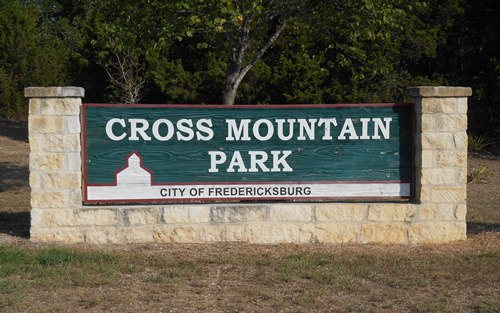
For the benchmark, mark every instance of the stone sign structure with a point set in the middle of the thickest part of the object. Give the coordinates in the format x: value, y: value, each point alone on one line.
x: 434, y: 214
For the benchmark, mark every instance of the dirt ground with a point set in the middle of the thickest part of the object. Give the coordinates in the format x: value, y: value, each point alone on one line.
x: 483, y: 195
x: 240, y: 277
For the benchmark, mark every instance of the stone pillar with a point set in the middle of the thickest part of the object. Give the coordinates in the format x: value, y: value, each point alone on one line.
x: 440, y: 163
x: 55, y: 161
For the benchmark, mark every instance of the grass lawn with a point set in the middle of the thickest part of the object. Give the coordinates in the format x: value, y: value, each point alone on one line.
x: 460, y: 277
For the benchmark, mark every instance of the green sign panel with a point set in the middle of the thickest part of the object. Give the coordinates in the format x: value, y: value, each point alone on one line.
x: 192, y: 153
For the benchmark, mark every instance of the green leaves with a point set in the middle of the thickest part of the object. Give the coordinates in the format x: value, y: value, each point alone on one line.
x: 186, y: 51
x: 33, y: 51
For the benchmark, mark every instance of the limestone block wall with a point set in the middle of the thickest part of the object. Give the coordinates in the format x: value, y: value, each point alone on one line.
x: 435, y: 215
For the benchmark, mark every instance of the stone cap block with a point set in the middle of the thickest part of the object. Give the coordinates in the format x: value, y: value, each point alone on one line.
x: 439, y: 91
x: 54, y: 92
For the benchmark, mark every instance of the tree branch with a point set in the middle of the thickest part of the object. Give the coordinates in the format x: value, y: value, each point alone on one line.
x: 263, y: 50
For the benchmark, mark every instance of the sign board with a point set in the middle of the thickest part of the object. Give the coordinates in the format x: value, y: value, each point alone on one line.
x: 201, y: 153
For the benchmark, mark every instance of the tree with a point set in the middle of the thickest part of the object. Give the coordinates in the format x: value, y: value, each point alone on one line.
x: 470, y: 57
x: 252, y: 51
x: 332, y: 51
x: 246, y: 28
x: 31, y: 53
x: 118, y: 41
x: 358, y: 51
x: 248, y: 20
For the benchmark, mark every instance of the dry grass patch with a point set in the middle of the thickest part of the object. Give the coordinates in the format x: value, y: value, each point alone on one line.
x: 251, y: 278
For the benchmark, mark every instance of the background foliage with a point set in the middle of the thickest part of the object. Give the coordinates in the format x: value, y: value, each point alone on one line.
x: 184, y: 51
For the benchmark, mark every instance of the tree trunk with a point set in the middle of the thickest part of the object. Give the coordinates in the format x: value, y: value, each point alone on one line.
x: 231, y: 88
x: 229, y: 96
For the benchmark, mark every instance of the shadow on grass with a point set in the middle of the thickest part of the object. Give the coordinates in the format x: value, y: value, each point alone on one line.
x: 15, y: 130
x: 481, y: 227
x: 13, y: 176
x: 15, y: 224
